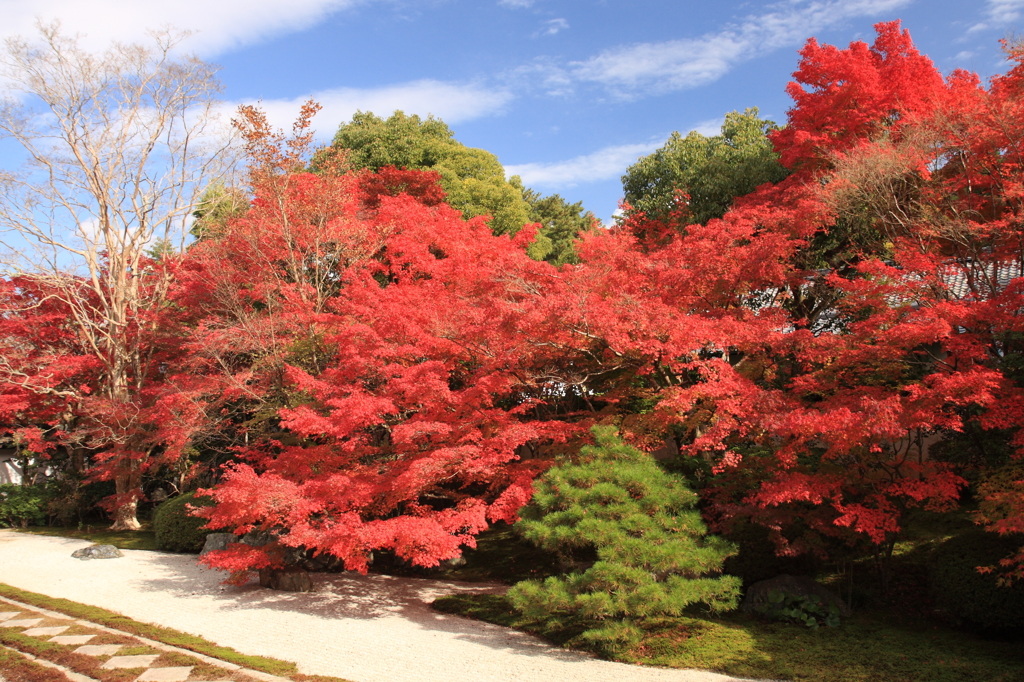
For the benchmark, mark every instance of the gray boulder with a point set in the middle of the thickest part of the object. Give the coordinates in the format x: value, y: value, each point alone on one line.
x: 286, y: 579
x: 97, y: 552
x: 800, y: 586
x: 218, y: 541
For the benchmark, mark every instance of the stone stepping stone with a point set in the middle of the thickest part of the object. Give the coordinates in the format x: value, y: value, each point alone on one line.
x: 21, y: 623
x: 45, y: 632
x: 4, y: 615
x: 71, y: 640
x: 139, y: 661
x: 99, y: 650
x: 176, y: 674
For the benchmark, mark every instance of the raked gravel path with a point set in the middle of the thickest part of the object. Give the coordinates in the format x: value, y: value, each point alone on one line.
x: 361, y: 628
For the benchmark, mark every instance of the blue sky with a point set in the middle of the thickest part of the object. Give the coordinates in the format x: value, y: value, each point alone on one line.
x: 567, y: 93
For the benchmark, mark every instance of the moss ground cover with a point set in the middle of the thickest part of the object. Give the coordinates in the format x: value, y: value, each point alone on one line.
x: 863, y: 649
x: 61, y: 654
x: 128, y: 539
x: 892, y: 637
x: 17, y: 668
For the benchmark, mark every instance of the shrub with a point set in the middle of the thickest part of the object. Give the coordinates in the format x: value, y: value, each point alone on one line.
x: 653, y: 554
x: 795, y: 608
x: 176, y: 529
x: 21, y: 505
x: 958, y: 587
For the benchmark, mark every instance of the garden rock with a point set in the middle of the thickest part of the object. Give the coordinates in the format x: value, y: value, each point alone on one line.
x: 286, y: 580
x: 97, y: 552
x: 800, y: 586
x: 217, y: 541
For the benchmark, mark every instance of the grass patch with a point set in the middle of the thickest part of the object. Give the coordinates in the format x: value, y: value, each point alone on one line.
x: 863, y: 649
x: 125, y: 539
x: 17, y: 668
x: 116, y: 621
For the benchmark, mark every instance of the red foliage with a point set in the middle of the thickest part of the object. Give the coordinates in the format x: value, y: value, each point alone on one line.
x: 424, y: 186
x: 377, y: 368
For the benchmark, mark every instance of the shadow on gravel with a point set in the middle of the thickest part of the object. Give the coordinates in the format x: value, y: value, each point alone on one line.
x: 351, y: 596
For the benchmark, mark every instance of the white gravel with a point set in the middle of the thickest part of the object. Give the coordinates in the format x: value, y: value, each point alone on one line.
x: 361, y: 628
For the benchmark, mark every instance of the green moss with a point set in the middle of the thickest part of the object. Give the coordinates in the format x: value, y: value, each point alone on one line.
x: 865, y: 649
x: 17, y: 668
x: 128, y: 539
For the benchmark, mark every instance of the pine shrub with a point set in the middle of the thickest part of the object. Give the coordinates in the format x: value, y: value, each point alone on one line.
x: 976, y: 598
x: 176, y: 529
x: 653, y: 554
x: 21, y: 505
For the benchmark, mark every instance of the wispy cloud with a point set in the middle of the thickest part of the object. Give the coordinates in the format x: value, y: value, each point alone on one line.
x: 692, y: 62
x: 553, y: 26
x: 1005, y: 11
x: 604, y: 164
x: 516, y: 4
x: 453, y: 102
x: 999, y: 13
x: 220, y: 26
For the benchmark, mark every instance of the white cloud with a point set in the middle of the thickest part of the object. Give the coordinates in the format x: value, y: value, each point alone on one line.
x: 1005, y: 11
x: 710, y: 127
x: 604, y: 164
x: 999, y: 13
x: 452, y: 102
x: 219, y: 26
x: 516, y: 4
x: 692, y: 62
x: 553, y: 26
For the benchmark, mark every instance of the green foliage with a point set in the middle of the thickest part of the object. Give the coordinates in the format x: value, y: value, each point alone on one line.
x: 958, y: 587
x: 216, y: 207
x: 561, y: 223
x: 653, y: 554
x: 473, y: 179
x: 176, y: 529
x: 782, y: 605
x: 711, y: 170
x: 22, y: 505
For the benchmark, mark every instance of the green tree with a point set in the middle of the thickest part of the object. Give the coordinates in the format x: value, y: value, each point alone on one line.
x: 653, y: 554
x: 561, y: 223
x: 713, y: 171
x: 218, y: 204
x: 473, y: 179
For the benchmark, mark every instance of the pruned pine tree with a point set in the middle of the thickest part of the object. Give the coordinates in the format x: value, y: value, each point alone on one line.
x: 654, y: 555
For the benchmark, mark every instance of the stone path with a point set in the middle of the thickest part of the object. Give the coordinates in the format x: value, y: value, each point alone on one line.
x: 360, y: 628
x: 95, y: 647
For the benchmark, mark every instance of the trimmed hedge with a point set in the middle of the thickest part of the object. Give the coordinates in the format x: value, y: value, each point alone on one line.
x: 178, y: 531
x: 973, y: 597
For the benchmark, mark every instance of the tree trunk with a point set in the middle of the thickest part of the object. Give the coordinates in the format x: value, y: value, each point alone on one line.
x: 125, y: 516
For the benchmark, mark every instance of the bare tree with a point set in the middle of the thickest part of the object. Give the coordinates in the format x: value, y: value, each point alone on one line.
x: 118, y: 147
